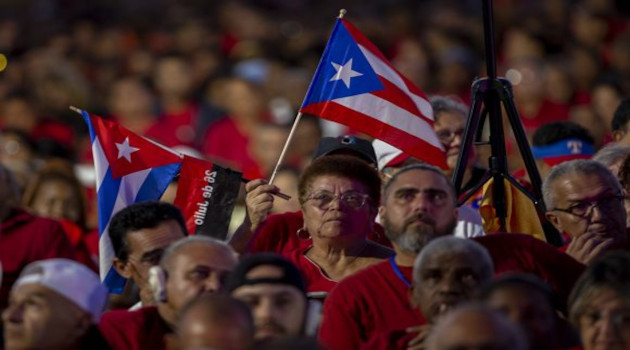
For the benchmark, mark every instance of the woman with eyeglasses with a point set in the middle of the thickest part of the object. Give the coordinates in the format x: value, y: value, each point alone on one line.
x: 339, y: 196
x: 599, y: 305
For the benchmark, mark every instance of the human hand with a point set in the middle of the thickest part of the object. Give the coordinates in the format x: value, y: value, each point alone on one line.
x: 418, y: 342
x: 258, y: 201
x: 587, y: 247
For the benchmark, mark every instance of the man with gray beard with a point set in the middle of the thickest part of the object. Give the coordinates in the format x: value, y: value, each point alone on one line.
x: 419, y: 205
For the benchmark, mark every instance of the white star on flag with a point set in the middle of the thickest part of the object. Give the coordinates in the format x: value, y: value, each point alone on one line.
x: 345, y: 73
x: 125, y: 150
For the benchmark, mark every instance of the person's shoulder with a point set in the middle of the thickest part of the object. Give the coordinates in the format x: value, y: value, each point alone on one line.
x: 125, y: 318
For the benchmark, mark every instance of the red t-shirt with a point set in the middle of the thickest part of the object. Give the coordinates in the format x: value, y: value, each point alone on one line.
x: 228, y: 146
x: 314, y: 278
x: 25, y: 238
x: 370, y: 301
x: 549, y: 112
x: 278, y: 234
x: 375, y: 300
x: 391, y: 340
x: 512, y: 252
x: 139, y: 329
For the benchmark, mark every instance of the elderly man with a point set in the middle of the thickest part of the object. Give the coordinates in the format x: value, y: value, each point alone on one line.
x: 418, y: 206
x: 55, y: 304
x: 189, y: 268
x: 274, y: 290
x: 446, y: 273
x: 214, y: 322
x: 139, y: 235
x: 476, y: 327
x: 585, y: 202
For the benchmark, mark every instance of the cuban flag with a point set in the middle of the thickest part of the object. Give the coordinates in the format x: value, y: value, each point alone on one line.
x: 129, y: 169
x: 355, y: 85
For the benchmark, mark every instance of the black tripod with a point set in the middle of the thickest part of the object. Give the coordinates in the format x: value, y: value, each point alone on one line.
x: 495, y: 92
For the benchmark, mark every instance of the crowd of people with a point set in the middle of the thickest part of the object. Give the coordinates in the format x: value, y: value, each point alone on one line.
x: 375, y: 249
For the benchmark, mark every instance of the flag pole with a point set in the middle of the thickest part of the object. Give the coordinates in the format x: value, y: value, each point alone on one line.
x: 286, y: 146
x: 342, y: 13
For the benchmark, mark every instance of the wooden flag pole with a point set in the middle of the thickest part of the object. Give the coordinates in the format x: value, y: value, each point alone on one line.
x: 286, y: 146
x: 342, y: 13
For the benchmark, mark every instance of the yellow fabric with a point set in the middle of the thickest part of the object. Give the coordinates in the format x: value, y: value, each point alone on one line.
x: 521, y: 216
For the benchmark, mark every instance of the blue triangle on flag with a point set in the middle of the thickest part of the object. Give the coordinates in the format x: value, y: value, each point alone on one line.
x: 343, y: 70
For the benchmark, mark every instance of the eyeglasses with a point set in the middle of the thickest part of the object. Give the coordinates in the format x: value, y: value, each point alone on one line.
x: 584, y: 209
x: 619, y: 318
x: 447, y: 136
x: 354, y: 200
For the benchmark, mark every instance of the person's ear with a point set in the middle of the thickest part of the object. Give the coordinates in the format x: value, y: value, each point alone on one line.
x: 84, y: 322
x: 554, y: 220
x: 618, y: 135
x: 123, y: 268
x: 381, y: 211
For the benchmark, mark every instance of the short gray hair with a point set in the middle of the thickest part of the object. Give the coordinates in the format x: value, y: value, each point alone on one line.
x: 611, y: 155
x: 577, y: 166
x: 447, y: 104
x: 452, y: 244
x: 176, y: 246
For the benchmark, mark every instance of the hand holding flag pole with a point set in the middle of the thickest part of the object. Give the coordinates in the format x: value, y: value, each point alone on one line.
x: 342, y: 13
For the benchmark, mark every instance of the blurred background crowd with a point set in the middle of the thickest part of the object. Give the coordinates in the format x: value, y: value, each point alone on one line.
x: 224, y: 79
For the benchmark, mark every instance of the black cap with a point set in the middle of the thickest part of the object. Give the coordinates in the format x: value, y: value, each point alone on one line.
x: 344, y: 145
x: 290, y: 274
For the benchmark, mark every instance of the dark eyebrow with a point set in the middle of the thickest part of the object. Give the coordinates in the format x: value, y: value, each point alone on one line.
x: 152, y: 254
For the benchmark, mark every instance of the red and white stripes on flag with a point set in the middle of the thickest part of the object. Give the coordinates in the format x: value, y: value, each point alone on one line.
x: 370, y: 96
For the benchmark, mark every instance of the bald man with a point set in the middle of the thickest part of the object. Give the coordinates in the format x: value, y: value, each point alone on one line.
x: 189, y: 268
x: 214, y: 321
x: 475, y: 326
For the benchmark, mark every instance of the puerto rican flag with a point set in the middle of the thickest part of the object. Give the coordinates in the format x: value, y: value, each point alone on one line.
x: 355, y: 85
x: 129, y: 169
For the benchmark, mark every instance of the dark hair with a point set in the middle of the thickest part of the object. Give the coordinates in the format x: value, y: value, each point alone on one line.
x: 622, y: 115
x: 344, y: 166
x: 424, y: 167
x: 624, y: 173
x: 612, y: 271
x: 62, y: 172
x: 557, y: 131
x: 521, y: 280
x: 140, y: 216
x: 290, y: 274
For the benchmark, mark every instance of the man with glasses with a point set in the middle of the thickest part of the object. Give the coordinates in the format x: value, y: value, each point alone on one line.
x: 584, y: 201
x: 139, y: 235
x: 418, y: 205
x: 450, y: 123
